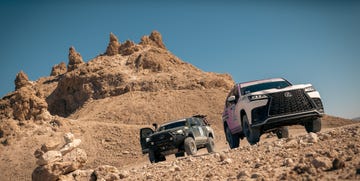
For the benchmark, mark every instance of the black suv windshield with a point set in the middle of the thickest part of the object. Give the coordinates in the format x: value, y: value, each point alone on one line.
x: 264, y: 86
x: 172, y: 125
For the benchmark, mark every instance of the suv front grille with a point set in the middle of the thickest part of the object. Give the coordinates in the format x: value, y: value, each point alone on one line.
x: 161, y: 138
x: 289, y: 102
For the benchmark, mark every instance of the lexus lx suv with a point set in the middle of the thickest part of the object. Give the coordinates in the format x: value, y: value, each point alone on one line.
x: 177, y: 137
x: 270, y: 105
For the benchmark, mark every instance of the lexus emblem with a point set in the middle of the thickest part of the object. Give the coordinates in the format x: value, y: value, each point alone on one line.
x: 287, y: 94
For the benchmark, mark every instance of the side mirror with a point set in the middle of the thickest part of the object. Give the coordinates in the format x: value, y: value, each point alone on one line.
x: 231, y: 99
x: 155, y: 126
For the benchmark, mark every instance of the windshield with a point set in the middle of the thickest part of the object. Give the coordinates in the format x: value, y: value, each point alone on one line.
x: 264, y: 86
x: 172, y: 125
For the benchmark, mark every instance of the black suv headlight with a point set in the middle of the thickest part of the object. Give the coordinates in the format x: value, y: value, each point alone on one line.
x: 180, y: 131
x: 258, y: 97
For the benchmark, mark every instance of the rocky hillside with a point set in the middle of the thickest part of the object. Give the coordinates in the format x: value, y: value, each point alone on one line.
x: 104, y: 102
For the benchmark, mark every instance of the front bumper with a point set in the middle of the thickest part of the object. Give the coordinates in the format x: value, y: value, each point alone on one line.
x: 166, y: 143
x: 288, y: 120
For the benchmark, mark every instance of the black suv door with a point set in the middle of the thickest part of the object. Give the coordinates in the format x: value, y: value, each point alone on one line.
x: 144, y: 133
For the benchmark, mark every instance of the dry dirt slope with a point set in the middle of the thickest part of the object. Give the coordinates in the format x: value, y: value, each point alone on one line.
x: 106, y: 101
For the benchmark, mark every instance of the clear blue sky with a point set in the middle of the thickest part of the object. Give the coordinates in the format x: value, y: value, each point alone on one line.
x: 314, y: 42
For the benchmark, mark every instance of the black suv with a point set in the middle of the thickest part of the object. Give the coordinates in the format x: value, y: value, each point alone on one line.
x: 177, y: 137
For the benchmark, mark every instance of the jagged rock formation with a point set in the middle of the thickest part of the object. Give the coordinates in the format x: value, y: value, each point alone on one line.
x: 114, y: 45
x: 155, y: 39
x: 21, y: 80
x: 147, y: 66
x: 128, y: 48
x: 25, y: 103
x: 52, y: 163
x: 58, y: 69
x: 75, y: 59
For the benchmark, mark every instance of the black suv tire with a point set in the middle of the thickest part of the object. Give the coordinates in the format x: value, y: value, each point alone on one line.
x: 233, y: 139
x: 190, y: 146
x: 313, y: 126
x: 282, y: 132
x: 210, y: 145
x: 252, y: 134
x: 155, y: 157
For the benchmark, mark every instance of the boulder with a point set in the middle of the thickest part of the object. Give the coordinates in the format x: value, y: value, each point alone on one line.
x: 58, y: 69
x: 76, y: 157
x: 50, y: 145
x: 70, y: 146
x: 79, y: 175
x: 322, y: 162
x: 49, y: 157
x: 312, y: 138
x: 107, y: 172
x: 44, y: 173
x: 75, y: 59
x: 114, y: 45
x: 52, y: 171
x: 69, y: 137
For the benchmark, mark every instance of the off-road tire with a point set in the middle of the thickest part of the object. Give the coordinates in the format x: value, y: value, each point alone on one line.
x: 232, y: 139
x: 179, y: 154
x: 282, y: 132
x: 161, y: 158
x: 252, y: 134
x: 190, y: 146
x: 210, y: 146
x: 155, y: 157
x: 313, y: 126
x: 152, y: 157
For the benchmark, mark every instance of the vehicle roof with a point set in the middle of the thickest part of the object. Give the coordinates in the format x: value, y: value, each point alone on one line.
x: 245, y: 84
x: 175, y: 121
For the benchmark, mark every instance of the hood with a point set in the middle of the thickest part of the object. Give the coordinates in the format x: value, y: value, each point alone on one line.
x: 289, y: 88
x: 168, y: 130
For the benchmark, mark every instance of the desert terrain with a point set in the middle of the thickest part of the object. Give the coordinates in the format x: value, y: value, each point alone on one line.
x: 105, y: 101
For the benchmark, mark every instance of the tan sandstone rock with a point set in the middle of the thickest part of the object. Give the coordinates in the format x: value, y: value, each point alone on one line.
x: 21, y: 80
x: 106, y: 172
x: 114, y: 45
x: 69, y: 137
x: 58, y: 69
x: 49, y: 157
x: 75, y: 59
x: 155, y: 39
x: 70, y: 146
x: 50, y: 145
x: 79, y: 175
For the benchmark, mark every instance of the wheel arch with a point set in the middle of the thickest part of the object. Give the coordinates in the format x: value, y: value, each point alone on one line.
x: 211, y: 135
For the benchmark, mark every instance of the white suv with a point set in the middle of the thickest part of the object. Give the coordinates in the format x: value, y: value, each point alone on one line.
x: 270, y: 105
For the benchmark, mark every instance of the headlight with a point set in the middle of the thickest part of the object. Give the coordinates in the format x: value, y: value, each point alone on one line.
x: 309, y: 89
x: 147, y: 139
x: 257, y: 97
x: 180, y: 131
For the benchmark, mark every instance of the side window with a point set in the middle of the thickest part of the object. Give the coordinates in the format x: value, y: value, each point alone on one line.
x: 234, y: 92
